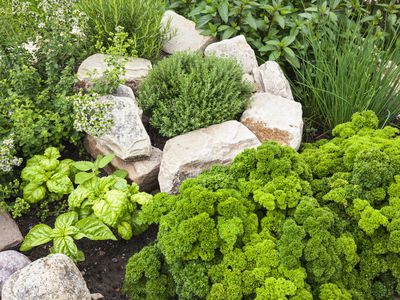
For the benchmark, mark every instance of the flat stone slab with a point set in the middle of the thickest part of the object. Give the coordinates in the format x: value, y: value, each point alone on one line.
x: 143, y: 172
x: 189, y: 154
x: 10, y: 235
x: 236, y: 48
x: 185, y: 36
x: 272, y: 117
x: 95, y: 65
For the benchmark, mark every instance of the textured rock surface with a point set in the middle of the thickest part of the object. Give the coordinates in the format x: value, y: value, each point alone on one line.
x: 273, y: 80
x: 128, y: 138
x: 94, y: 66
x: 189, y: 154
x: 10, y: 235
x: 54, y: 277
x: 126, y: 91
x: 185, y: 36
x: 10, y: 262
x: 236, y: 48
x: 272, y: 117
x: 143, y: 172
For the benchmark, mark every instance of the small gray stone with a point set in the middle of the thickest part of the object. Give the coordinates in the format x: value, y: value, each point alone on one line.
x: 128, y: 138
x: 126, y: 91
x: 54, y: 277
x: 236, y: 48
x: 143, y: 172
x: 10, y: 262
x: 10, y: 235
x: 185, y: 36
x: 189, y: 154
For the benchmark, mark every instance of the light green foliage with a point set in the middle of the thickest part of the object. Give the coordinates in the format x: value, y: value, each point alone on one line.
x: 67, y: 228
x: 276, y: 224
x: 140, y: 20
x: 45, y: 176
x: 110, y: 199
x: 188, y: 91
x: 277, y: 29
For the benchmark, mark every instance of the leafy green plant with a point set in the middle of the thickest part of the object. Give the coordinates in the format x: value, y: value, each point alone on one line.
x: 110, y: 199
x: 141, y: 20
x: 187, y: 91
x: 276, y: 29
x: 44, y: 176
x: 277, y: 224
x: 344, y: 74
x: 67, y: 228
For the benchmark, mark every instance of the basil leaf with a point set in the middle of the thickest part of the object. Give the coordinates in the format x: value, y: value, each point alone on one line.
x: 93, y: 229
x: 38, y: 235
x: 65, y: 220
x: 105, y: 160
x: 84, y: 165
x: 66, y: 245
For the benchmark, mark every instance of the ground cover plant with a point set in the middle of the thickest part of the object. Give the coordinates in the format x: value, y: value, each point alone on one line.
x: 140, y: 20
x: 187, y: 91
x: 277, y: 29
x: 276, y: 224
x: 347, y: 71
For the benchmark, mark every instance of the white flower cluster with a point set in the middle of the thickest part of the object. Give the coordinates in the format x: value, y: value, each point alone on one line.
x: 7, y: 159
x: 93, y: 114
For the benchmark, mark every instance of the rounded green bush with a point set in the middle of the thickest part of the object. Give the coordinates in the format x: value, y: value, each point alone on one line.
x: 188, y: 91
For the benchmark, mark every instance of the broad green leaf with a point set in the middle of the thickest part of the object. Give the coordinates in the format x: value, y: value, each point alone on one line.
x: 280, y: 20
x: 223, y: 10
x: 82, y: 177
x: 77, y: 196
x: 38, y: 235
x: 275, y: 55
x: 64, y: 167
x: 60, y: 184
x: 267, y: 48
x: 273, y: 42
x: 112, y: 208
x: 66, y: 245
x: 228, y: 33
x: 120, y: 173
x: 125, y: 231
x: 84, y: 165
x: 93, y: 229
x: 49, y: 164
x: 251, y: 21
x: 33, y: 192
x: 52, y: 153
x: 287, y: 40
x: 67, y: 219
x: 34, y: 174
x: 203, y: 20
x: 105, y: 160
x: 142, y: 198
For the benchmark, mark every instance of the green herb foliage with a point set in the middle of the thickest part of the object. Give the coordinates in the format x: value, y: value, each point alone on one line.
x: 276, y: 29
x: 140, y: 19
x: 188, y: 91
x: 347, y: 72
x: 276, y: 224
x: 67, y: 228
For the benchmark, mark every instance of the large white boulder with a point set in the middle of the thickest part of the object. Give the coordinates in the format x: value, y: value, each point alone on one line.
x: 54, y: 277
x: 143, y: 172
x: 127, y: 138
x: 10, y: 235
x: 189, y: 154
x: 236, y: 48
x: 272, y: 117
x: 184, y: 35
x: 95, y: 65
x: 10, y: 262
x: 270, y: 77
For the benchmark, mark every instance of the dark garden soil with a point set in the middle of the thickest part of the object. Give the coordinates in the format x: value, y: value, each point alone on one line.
x: 104, y: 267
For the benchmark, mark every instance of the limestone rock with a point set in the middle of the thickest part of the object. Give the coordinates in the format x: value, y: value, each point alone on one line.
x: 143, y: 172
x: 272, y: 117
x: 126, y: 91
x: 273, y: 80
x: 54, y: 277
x: 185, y: 36
x: 236, y: 48
x: 189, y: 154
x: 10, y: 262
x: 128, y: 138
x: 94, y: 67
x: 10, y: 235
